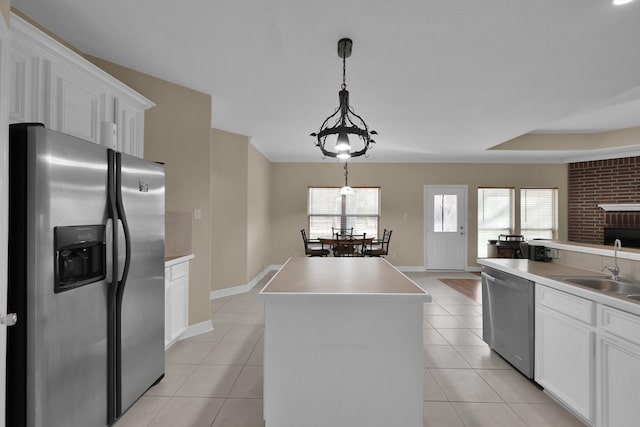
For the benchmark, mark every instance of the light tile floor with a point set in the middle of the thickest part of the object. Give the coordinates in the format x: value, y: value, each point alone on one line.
x: 215, y: 379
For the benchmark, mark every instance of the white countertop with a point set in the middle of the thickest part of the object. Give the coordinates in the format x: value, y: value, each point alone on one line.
x: 173, y: 260
x: 586, y: 248
x: 341, y: 277
x: 543, y: 273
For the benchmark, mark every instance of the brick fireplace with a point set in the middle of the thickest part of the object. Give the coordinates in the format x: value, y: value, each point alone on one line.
x: 597, y: 182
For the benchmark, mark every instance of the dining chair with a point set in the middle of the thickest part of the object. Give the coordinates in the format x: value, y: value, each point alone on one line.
x: 344, y: 232
x: 353, y: 246
x: 314, y: 247
x: 379, y: 247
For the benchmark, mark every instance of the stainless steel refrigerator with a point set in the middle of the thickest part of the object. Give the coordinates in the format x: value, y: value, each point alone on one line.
x: 86, y: 279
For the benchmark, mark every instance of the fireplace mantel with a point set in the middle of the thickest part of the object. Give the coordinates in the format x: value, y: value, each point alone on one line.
x: 620, y: 206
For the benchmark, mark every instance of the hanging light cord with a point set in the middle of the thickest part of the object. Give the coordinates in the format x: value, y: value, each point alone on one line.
x: 344, y: 66
x: 346, y: 175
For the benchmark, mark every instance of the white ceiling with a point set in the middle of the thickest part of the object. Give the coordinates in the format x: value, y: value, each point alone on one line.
x: 441, y: 81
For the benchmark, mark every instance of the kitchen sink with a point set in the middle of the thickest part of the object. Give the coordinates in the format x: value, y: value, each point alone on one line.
x: 604, y: 284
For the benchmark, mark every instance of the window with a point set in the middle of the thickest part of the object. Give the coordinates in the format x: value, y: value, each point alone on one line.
x: 327, y: 209
x: 445, y: 213
x: 495, y: 215
x: 539, y: 213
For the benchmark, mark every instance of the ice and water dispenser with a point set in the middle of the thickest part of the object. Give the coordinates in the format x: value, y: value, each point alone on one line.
x: 80, y: 256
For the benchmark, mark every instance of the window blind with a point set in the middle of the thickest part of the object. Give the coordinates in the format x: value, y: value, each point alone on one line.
x: 539, y: 213
x: 495, y: 215
x: 327, y: 209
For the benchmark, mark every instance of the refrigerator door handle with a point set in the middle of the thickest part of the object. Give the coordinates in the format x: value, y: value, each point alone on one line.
x: 112, y: 219
x: 113, y: 381
x: 122, y: 217
x: 123, y: 231
x: 109, y: 250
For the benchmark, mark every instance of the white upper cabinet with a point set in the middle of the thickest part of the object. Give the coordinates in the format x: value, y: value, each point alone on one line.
x: 76, y: 102
x: 130, y: 122
x: 25, y: 85
x: 53, y: 85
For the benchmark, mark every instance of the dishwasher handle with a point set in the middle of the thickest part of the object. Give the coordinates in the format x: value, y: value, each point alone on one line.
x: 501, y: 282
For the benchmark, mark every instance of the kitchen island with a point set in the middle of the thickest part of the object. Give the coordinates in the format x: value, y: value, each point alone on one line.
x: 343, y: 344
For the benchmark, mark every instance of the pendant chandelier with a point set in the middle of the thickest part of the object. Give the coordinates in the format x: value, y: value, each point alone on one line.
x: 344, y: 122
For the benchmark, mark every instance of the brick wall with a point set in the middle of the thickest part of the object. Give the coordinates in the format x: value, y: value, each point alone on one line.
x: 602, y: 181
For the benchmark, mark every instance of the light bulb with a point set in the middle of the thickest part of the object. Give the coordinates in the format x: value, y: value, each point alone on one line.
x: 621, y: 2
x: 346, y: 190
x: 342, y: 143
x: 344, y: 155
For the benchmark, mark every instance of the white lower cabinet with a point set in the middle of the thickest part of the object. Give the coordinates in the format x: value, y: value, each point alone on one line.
x: 618, y: 368
x: 176, y: 304
x: 565, y: 349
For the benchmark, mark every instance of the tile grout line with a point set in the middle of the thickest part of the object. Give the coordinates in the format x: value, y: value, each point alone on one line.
x: 241, y: 370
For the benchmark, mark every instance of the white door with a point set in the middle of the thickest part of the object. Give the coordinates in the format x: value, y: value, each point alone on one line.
x: 445, y: 227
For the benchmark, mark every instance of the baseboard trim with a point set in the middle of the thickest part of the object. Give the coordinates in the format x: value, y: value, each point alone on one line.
x: 240, y: 289
x: 411, y: 268
x: 197, y: 329
x: 421, y: 269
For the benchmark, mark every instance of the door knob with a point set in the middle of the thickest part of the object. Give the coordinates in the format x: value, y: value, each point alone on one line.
x: 9, y: 320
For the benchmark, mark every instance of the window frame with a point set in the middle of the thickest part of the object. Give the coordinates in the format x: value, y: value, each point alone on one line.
x: 343, y: 216
x: 555, y: 221
x: 482, y: 251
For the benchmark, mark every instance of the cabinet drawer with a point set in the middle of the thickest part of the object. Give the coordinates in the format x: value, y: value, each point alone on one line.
x: 567, y: 304
x: 621, y: 324
x: 179, y: 270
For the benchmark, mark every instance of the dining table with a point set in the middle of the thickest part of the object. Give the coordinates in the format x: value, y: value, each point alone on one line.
x: 346, y: 246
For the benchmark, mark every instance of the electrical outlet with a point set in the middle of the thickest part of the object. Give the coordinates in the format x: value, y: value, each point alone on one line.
x: 197, y: 214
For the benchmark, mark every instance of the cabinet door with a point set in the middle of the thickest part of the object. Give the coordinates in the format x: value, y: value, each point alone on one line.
x: 167, y: 308
x: 618, y: 370
x: 24, y: 87
x: 76, y: 103
x: 130, y: 122
x: 179, y: 307
x: 564, y: 365
x: 619, y: 401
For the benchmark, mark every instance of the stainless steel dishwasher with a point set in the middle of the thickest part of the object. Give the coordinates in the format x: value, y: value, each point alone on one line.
x: 508, y: 317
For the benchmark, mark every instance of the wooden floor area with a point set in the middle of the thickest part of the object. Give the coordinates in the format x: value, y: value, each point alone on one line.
x: 471, y: 288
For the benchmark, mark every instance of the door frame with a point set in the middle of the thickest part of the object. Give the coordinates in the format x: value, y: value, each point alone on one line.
x: 465, y: 220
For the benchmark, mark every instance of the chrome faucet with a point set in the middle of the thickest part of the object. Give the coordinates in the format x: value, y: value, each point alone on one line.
x: 614, y: 269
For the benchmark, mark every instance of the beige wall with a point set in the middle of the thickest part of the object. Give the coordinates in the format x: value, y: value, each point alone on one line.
x: 573, y: 141
x: 402, y: 198
x: 258, y: 215
x: 5, y: 6
x: 177, y: 132
x: 240, y: 178
x: 229, y: 174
